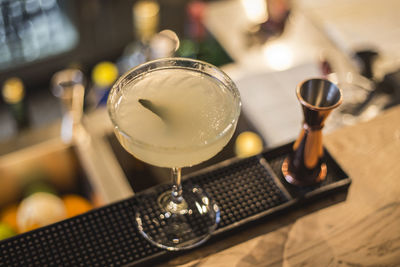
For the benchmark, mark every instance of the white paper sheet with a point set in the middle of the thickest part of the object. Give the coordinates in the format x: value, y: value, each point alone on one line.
x: 269, y: 101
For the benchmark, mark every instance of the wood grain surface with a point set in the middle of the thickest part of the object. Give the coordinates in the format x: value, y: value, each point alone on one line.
x: 363, y: 230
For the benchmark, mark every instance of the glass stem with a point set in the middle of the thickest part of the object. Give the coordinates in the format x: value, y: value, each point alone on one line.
x: 177, y: 186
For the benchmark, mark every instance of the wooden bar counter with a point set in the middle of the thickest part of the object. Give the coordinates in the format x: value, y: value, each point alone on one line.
x: 362, y: 230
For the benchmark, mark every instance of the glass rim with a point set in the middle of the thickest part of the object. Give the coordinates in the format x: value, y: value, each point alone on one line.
x: 166, y: 63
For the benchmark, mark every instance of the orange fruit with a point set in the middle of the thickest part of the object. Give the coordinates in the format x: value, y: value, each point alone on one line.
x: 76, y: 205
x: 9, y: 216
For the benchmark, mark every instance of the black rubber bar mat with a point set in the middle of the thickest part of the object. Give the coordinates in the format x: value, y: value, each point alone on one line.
x: 245, y: 189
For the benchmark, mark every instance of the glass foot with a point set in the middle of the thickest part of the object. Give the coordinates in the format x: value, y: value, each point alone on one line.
x: 176, y: 226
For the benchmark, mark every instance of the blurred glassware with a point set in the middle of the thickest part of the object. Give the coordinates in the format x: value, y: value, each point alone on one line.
x: 69, y: 86
x: 355, y: 89
x: 366, y: 59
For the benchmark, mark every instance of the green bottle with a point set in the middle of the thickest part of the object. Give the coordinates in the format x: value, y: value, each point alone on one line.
x: 198, y: 43
x: 13, y: 92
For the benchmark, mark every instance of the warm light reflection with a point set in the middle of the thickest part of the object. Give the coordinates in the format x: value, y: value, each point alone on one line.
x: 199, y: 208
x: 205, y: 200
x: 278, y: 56
x: 204, y: 209
x: 256, y: 10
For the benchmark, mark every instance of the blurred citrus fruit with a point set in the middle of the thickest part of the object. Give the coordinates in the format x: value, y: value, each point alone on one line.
x: 76, y: 205
x: 6, y: 231
x: 38, y: 210
x: 9, y: 216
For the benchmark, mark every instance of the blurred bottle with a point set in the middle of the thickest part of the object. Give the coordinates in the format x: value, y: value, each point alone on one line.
x: 145, y: 24
x: 104, y: 75
x: 198, y: 43
x: 13, y: 94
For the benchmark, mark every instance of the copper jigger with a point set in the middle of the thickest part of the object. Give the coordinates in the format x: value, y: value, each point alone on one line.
x: 305, y: 165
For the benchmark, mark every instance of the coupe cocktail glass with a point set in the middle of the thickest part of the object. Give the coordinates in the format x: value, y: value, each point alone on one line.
x: 175, y: 113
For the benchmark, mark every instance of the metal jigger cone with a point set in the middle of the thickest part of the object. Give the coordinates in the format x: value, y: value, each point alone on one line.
x: 305, y: 165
